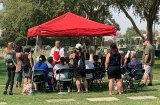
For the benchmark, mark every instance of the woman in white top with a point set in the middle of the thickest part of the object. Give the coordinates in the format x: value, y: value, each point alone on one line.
x: 62, y: 65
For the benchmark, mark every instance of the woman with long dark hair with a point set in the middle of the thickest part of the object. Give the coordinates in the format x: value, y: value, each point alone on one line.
x: 113, y: 64
x: 27, y: 65
x: 9, y: 60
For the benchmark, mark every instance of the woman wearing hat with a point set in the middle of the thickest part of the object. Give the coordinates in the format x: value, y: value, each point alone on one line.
x: 79, y: 67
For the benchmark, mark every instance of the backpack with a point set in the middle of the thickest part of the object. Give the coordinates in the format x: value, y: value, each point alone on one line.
x: 8, y: 57
x: 9, y: 61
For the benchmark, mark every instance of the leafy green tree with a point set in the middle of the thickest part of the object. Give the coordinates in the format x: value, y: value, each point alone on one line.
x: 132, y: 33
x: 15, y: 19
x: 2, y: 42
x: 19, y: 15
x: 147, y: 10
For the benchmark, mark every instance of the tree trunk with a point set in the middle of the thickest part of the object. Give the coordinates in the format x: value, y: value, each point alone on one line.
x: 150, y: 31
x: 130, y: 18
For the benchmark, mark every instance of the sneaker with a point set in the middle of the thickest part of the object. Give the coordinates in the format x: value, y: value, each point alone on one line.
x: 10, y: 93
x: 150, y: 84
x: 5, y: 92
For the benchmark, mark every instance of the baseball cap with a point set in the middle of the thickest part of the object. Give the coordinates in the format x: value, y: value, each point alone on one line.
x: 145, y: 40
x: 78, y: 46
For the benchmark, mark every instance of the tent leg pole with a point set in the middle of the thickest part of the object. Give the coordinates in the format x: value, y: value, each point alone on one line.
x: 94, y: 45
x: 90, y: 45
x: 27, y: 41
x: 36, y: 46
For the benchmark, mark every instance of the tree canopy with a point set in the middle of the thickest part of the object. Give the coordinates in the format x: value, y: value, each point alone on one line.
x: 147, y: 10
x: 19, y: 15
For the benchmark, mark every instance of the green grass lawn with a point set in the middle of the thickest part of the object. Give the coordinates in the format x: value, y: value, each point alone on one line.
x: 40, y: 98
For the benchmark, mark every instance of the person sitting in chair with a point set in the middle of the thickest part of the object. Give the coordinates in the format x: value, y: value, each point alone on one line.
x: 133, y: 64
x: 99, y: 67
x: 41, y: 65
x: 96, y: 63
x: 50, y: 74
x: 68, y: 62
x: 59, y: 66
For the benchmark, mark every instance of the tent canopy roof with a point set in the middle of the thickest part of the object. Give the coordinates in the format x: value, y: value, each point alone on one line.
x: 70, y: 24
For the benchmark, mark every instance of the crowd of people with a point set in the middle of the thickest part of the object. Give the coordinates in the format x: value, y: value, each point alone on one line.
x: 20, y: 60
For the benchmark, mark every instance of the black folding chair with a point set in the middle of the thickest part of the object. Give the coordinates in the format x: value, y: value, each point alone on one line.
x: 39, y: 77
x: 99, y: 74
x: 68, y: 78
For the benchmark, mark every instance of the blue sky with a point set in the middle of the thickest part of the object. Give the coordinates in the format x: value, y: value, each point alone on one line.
x: 124, y: 22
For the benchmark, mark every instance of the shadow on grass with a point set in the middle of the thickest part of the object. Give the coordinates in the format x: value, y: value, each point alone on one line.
x: 156, y: 84
x: 148, y: 90
x: 141, y: 90
x: 99, y: 88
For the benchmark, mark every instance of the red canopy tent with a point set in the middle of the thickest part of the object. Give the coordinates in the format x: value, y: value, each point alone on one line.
x: 70, y: 24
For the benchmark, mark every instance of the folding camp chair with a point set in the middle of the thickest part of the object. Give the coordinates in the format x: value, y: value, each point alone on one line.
x: 99, y: 74
x: 39, y: 77
x: 69, y: 78
x: 134, y: 83
x: 89, y: 77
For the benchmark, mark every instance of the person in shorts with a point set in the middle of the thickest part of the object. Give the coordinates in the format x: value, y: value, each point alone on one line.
x: 148, y: 61
x: 79, y: 67
x: 27, y: 65
x: 113, y: 64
